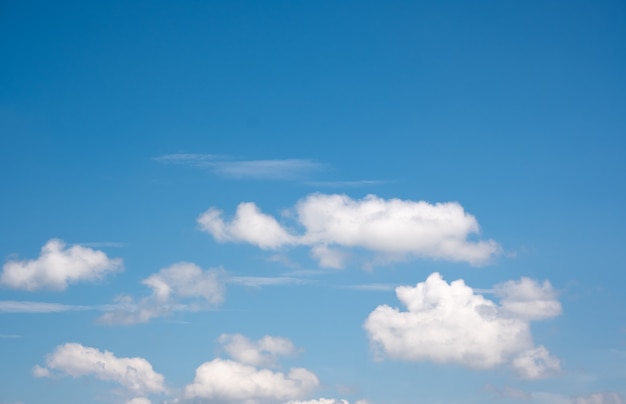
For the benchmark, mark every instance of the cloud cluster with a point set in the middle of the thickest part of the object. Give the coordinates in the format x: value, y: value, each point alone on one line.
x: 320, y: 401
x: 58, y: 266
x: 450, y: 323
x: 182, y: 286
x: 394, y: 229
x: 240, y: 380
x: 135, y: 374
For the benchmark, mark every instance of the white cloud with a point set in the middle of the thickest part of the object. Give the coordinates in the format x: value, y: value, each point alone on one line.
x: 57, y: 267
x: 277, y: 169
x: 320, y: 401
x: 263, y: 352
x: 600, y: 398
x: 249, y: 225
x: 182, y: 286
x: 528, y: 299
x: 232, y: 382
x: 139, y: 400
x: 449, y: 323
x: 394, y: 229
x: 535, y: 363
x: 135, y: 374
x: 329, y: 257
x: 267, y: 169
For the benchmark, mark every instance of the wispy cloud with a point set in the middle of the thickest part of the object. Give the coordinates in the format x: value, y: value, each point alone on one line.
x: 260, y: 281
x: 104, y: 244
x: 343, y: 184
x: 10, y: 336
x: 370, y: 287
x: 12, y: 306
x: 273, y: 169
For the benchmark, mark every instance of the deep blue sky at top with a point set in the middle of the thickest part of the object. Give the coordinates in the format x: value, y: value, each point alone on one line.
x: 516, y: 109
x: 502, y: 104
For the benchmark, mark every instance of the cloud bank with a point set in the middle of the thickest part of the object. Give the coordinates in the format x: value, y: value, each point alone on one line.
x: 57, y: 267
x: 450, y: 323
x: 393, y: 229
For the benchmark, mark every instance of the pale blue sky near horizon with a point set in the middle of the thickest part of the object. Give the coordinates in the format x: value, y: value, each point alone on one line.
x: 122, y: 122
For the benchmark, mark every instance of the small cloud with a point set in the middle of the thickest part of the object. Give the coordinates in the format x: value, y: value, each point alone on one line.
x: 180, y: 287
x: 263, y: 352
x: 72, y: 359
x: 58, y: 266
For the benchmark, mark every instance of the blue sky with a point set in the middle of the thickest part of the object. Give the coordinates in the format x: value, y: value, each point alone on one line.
x: 310, y: 202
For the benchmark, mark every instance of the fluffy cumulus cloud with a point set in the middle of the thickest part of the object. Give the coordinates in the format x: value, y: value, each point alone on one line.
x: 228, y: 381
x: 135, y: 374
x: 250, y: 225
x: 450, y: 323
x: 263, y: 352
x: 320, y: 401
x: 394, y: 229
x: 58, y: 266
x: 182, y: 286
x: 242, y: 379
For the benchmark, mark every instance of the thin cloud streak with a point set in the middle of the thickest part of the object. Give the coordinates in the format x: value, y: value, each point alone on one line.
x: 10, y: 336
x: 104, y: 244
x: 12, y: 306
x: 370, y: 287
x: 260, y: 281
x: 341, y: 184
x: 272, y: 169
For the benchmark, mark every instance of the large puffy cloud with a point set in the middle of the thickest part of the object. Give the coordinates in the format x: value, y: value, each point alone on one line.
x: 263, y: 352
x: 449, y: 323
x: 228, y: 381
x: 393, y: 228
x: 136, y: 374
x: 58, y: 266
x: 182, y: 286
